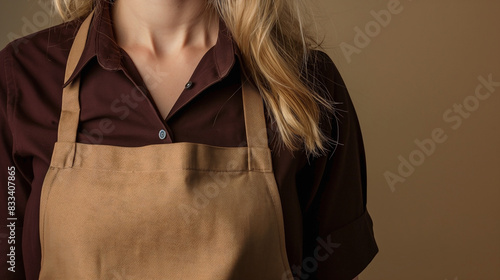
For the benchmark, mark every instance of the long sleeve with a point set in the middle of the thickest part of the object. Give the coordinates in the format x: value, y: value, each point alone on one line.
x: 15, y: 189
x: 338, y: 236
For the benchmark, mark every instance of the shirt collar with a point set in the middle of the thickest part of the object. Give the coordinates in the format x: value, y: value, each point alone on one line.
x: 101, y: 43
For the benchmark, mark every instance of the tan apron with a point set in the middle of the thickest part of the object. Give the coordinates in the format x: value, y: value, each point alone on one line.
x: 168, y: 211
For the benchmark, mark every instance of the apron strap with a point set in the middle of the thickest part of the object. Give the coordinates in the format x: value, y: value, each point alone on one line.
x: 78, y: 46
x: 253, y: 107
x: 70, y: 109
x: 255, y: 121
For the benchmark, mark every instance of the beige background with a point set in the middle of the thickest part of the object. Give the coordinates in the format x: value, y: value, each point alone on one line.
x: 443, y: 221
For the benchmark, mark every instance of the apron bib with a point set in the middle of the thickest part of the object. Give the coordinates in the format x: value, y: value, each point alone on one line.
x: 167, y: 211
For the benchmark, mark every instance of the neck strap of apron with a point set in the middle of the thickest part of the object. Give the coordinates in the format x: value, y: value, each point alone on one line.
x: 70, y: 108
x: 253, y: 107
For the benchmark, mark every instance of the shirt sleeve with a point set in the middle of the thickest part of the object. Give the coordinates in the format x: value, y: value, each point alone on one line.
x: 338, y: 232
x: 15, y: 189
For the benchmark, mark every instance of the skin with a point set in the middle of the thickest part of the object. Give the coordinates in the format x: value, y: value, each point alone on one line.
x: 166, y: 39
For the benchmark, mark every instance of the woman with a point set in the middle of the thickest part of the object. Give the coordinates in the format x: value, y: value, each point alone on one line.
x: 180, y: 139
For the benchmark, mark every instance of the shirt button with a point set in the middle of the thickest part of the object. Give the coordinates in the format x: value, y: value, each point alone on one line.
x: 162, y: 134
x: 189, y: 84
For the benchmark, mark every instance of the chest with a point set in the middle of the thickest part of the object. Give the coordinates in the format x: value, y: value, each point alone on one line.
x: 166, y: 77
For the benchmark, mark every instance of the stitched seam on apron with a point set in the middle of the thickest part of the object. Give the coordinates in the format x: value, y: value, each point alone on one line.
x: 163, y: 170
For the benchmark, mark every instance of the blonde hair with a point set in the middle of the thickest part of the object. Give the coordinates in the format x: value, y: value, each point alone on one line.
x: 276, y: 47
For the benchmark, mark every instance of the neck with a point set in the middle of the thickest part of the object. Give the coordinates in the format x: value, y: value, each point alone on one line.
x: 164, y: 26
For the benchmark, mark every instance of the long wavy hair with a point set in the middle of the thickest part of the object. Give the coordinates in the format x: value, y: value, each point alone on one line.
x: 276, y: 43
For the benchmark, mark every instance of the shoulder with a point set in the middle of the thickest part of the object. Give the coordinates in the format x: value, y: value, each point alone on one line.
x: 37, y: 59
x: 55, y: 35
x: 327, y: 81
x: 42, y: 48
x: 325, y: 76
x: 322, y: 61
x: 32, y: 68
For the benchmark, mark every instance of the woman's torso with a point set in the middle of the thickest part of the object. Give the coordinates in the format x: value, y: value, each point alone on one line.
x: 118, y: 110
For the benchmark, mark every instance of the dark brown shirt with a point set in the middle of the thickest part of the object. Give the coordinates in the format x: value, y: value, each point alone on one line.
x: 328, y: 229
